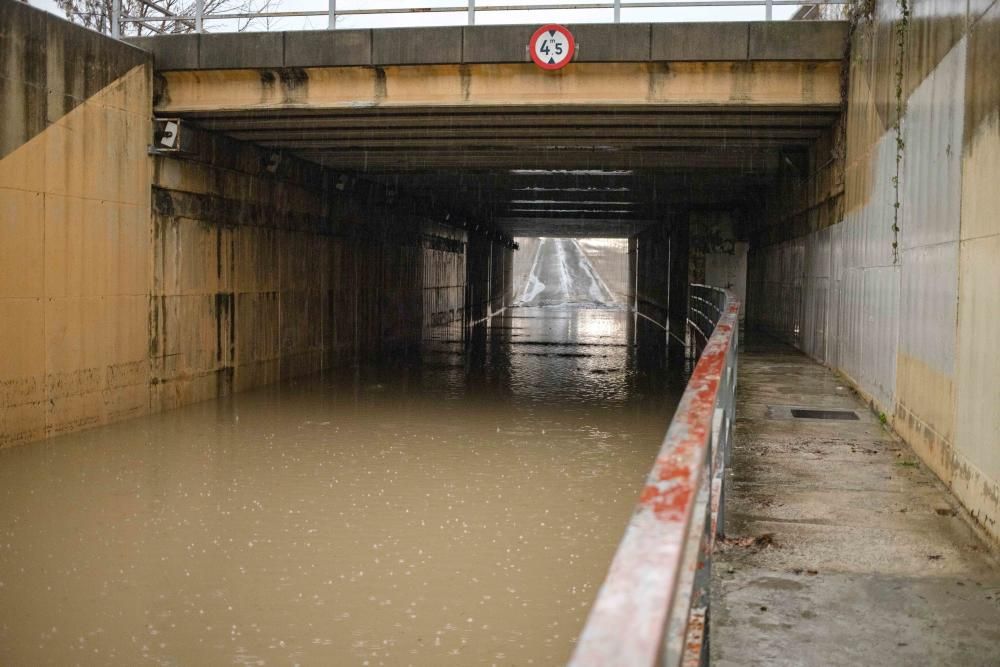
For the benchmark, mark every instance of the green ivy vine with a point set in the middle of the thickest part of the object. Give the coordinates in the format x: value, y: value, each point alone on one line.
x: 901, y: 30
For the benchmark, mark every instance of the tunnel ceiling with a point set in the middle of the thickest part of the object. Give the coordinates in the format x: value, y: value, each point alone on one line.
x: 547, y: 171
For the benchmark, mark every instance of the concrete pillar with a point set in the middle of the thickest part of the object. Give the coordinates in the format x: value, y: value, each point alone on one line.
x: 650, y: 276
x: 633, y: 271
x: 677, y: 295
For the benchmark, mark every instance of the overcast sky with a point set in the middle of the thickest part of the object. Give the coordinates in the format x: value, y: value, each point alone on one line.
x: 482, y: 17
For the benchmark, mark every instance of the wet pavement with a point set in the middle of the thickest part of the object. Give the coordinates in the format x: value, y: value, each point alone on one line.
x: 458, y: 508
x: 842, y: 548
x: 561, y: 274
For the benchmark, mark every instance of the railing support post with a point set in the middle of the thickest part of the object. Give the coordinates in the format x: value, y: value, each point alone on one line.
x: 472, y: 12
x: 332, y: 15
x: 199, y: 14
x: 618, y: 11
x: 767, y: 9
x: 116, y: 19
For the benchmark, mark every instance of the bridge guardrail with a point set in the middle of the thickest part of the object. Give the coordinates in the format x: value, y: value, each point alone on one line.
x: 653, y: 606
x: 164, y: 21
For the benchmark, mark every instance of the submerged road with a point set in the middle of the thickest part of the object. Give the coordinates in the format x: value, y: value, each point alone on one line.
x: 562, y: 275
x: 457, y: 509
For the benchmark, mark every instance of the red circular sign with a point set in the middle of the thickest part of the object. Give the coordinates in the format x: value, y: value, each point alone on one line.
x: 552, y: 46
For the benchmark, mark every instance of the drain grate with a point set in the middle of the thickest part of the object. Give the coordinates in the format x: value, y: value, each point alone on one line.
x: 808, y: 413
x: 811, y: 412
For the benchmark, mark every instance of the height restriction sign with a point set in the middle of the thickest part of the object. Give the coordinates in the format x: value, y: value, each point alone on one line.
x: 552, y: 46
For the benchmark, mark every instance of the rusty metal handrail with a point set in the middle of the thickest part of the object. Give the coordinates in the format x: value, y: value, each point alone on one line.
x: 653, y: 605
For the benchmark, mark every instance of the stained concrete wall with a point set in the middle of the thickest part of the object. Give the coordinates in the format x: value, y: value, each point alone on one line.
x: 131, y: 284
x: 244, y: 272
x: 913, y: 327
x: 264, y: 274
x: 75, y: 256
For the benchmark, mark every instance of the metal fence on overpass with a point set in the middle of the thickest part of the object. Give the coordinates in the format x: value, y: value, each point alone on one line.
x: 161, y: 20
x: 653, y: 608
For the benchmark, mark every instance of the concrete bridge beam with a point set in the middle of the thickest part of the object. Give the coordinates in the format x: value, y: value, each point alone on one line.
x: 629, y: 42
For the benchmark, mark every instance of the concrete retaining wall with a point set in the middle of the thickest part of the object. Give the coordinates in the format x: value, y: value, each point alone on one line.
x: 75, y: 255
x: 131, y: 284
x: 264, y: 273
x: 914, y: 329
x: 244, y: 272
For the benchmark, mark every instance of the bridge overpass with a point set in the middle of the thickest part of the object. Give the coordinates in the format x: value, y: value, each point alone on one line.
x: 462, y: 114
x: 305, y: 201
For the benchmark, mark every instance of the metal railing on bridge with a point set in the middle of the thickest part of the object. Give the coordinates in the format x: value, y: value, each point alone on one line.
x: 653, y: 605
x: 158, y: 18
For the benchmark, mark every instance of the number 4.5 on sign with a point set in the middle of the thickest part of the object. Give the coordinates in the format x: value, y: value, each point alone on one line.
x: 552, y: 47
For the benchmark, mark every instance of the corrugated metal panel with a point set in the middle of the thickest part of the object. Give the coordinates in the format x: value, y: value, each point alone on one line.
x: 808, y: 317
x: 931, y: 173
x: 816, y: 325
x: 836, y: 286
x: 929, y: 308
x: 877, y: 216
x: 851, y: 323
x: 818, y: 261
x: 816, y: 275
x: 851, y: 239
x: 772, y: 261
x: 798, y: 255
x: 880, y: 333
x: 978, y: 420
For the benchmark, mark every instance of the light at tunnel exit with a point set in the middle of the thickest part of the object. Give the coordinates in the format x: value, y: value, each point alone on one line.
x: 575, y: 273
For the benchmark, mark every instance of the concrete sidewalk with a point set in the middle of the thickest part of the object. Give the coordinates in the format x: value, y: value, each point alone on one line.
x: 842, y: 548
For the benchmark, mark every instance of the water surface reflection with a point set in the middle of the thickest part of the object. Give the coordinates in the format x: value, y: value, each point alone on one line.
x: 461, y: 508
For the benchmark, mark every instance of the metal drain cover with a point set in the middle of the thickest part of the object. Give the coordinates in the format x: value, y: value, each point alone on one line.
x: 808, y: 413
x: 802, y: 412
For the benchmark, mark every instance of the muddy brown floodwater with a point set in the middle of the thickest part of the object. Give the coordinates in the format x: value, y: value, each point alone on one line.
x: 460, y: 508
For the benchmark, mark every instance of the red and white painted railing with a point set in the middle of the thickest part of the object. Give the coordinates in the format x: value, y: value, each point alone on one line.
x: 653, y: 606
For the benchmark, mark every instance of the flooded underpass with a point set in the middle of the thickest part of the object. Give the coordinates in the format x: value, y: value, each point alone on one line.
x: 460, y: 506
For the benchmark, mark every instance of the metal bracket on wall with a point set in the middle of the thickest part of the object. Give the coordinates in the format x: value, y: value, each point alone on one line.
x: 166, y: 137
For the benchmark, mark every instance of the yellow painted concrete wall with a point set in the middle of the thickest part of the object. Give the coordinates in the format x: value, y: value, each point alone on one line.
x: 75, y: 255
x: 131, y: 284
x: 914, y: 329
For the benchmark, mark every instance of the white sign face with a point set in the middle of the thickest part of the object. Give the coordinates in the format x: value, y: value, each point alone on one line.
x: 166, y: 134
x: 169, y: 138
x: 552, y: 47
